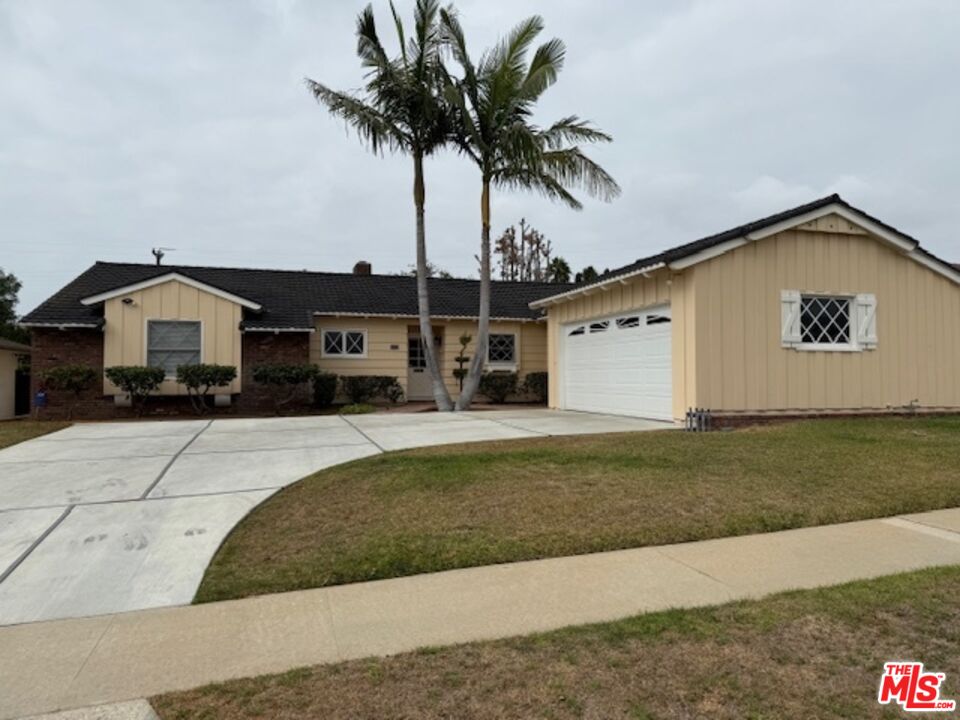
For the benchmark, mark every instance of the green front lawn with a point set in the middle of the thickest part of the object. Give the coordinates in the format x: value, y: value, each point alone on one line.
x: 808, y: 654
x: 14, y: 431
x: 441, y: 508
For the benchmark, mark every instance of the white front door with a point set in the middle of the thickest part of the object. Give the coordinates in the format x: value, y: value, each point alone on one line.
x: 419, y: 384
x: 619, y: 364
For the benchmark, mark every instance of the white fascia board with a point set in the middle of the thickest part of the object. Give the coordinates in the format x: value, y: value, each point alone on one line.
x: 935, y: 265
x: 603, y: 285
x: 400, y: 316
x: 897, y: 240
x: 159, y: 280
x: 708, y: 254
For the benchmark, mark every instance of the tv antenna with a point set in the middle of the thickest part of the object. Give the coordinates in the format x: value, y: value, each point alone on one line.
x: 159, y: 252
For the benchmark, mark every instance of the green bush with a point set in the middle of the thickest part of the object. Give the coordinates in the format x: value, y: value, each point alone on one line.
x: 70, y: 379
x: 137, y: 381
x: 498, y: 385
x: 324, y: 389
x: 363, y: 388
x: 285, y: 380
x: 535, y: 384
x: 357, y: 409
x: 200, y: 379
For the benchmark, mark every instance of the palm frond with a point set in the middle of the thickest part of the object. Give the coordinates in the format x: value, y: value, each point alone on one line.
x: 369, y: 48
x: 401, y: 38
x: 514, y: 178
x: 544, y: 67
x: 509, y: 54
x: 571, y: 168
x: 370, y: 124
x: 572, y: 130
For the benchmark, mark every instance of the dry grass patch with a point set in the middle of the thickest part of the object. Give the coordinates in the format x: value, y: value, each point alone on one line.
x: 808, y: 654
x: 458, y: 506
x: 15, y: 431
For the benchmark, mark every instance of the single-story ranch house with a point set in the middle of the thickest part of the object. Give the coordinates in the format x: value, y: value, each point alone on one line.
x: 818, y: 309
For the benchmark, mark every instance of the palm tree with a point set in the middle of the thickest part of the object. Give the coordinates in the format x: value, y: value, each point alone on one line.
x: 493, y: 103
x: 402, y: 109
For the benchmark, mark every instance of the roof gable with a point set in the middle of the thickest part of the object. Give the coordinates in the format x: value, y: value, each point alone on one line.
x: 169, y: 277
x: 820, y: 213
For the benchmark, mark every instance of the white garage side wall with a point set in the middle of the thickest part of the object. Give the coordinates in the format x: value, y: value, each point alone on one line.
x: 741, y: 365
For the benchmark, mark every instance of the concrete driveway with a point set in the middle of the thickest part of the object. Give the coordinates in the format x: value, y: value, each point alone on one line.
x: 111, y: 517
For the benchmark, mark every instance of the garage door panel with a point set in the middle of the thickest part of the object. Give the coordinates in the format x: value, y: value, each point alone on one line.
x: 622, y: 370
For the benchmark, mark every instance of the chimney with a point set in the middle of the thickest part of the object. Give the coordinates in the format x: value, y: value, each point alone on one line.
x: 362, y: 268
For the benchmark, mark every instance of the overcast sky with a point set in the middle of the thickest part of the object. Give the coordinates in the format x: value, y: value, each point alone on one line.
x: 129, y: 124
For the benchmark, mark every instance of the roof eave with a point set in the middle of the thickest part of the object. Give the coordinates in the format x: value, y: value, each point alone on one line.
x: 588, y: 289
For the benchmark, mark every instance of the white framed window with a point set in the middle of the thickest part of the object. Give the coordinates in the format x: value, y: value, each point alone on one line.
x: 817, y: 321
x: 343, y: 343
x: 172, y: 343
x: 502, y: 349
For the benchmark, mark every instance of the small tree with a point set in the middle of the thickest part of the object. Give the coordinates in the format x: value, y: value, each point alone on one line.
x: 70, y: 379
x: 284, y: 380
x: 462, y: 359
x: 524, y: 258
x: 201, y: 379
x: 137, y: 381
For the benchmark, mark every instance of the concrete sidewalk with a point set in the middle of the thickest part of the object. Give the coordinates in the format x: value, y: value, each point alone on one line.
x: 73, y: 663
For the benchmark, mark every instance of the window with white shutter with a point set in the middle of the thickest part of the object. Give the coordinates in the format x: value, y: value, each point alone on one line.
x: 828, y: 322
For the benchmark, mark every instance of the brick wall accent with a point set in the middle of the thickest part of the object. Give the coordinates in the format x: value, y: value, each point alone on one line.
x: 78, y: 346
x: 260, y: 348
x: 53, y: 347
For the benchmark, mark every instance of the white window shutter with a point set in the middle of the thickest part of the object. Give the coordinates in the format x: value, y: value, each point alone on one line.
x: 867, y: 320
x: 790, y: 318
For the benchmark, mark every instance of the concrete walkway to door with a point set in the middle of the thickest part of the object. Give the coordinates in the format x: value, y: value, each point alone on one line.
x: 73, y: 663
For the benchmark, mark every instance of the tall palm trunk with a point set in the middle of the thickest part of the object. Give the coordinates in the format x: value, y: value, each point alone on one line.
x: 440, y: 394
x: 472, y: 382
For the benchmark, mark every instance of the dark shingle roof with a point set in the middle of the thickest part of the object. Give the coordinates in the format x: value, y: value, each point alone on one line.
x: 290, y: 298
x: 691, y: 248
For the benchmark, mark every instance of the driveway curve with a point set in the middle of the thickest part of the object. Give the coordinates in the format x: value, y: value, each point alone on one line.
x: 110, y: 517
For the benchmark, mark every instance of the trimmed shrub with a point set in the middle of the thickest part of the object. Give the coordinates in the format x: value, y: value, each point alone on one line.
x: 357, y: 409
x: 363, y: 388
x: 284, y: 380
x: 200, y: 379
x: 137, y: 381
x: 498, y: 385
x: 535, y: 384
x: 324, y: 389
x: 71, y: 379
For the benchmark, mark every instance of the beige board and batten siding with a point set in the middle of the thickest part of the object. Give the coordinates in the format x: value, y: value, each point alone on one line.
x: 741, y: 365
x: 125, y: 328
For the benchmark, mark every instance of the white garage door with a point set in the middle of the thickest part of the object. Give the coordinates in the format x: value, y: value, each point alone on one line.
x: 619, y: 364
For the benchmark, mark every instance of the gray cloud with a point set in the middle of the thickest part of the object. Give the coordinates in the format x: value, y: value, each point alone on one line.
x: 127, y: 125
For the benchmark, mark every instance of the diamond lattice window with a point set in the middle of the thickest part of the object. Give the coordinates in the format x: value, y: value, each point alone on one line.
x: 336, y: 342
x: 825, y: 320
x: 502, y: 348
x: 172, y: 343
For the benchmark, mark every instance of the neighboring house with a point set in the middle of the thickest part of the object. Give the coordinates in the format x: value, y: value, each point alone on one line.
x: 819, y: 309
x: 14, y: 398
x: 350, y: 324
